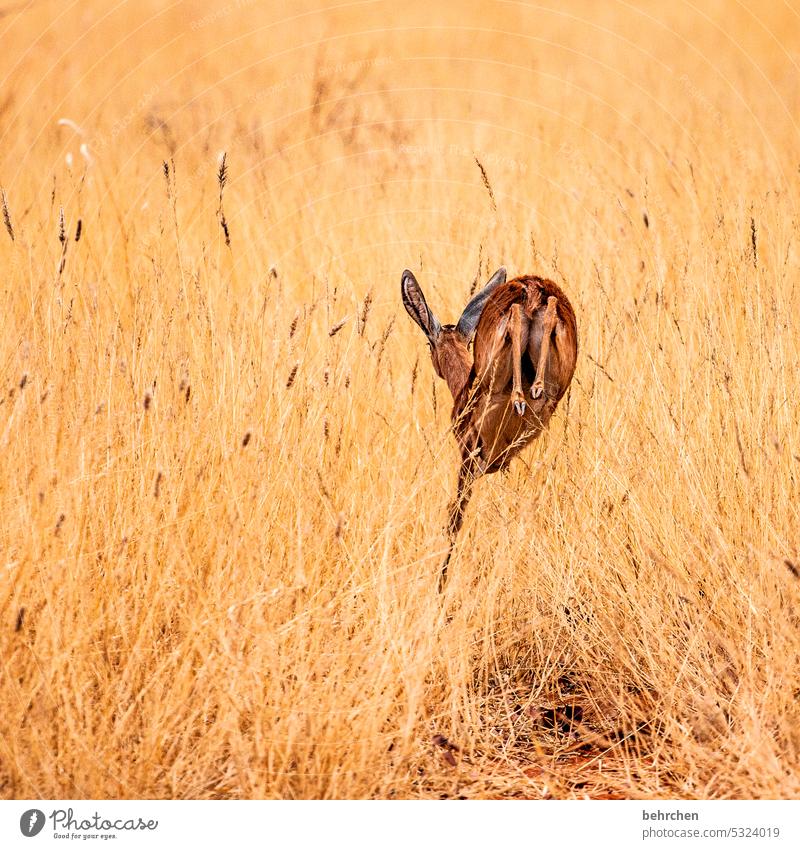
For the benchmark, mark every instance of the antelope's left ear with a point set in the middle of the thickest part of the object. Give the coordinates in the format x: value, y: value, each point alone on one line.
x: 468, y: 322
x: 417, y: 307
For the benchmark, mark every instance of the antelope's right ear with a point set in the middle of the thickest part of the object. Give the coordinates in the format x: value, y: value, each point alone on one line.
x: 468, y: 322
x: 417, y: 307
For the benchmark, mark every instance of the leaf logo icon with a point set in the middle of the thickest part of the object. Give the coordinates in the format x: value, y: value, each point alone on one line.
x: 31, y: 822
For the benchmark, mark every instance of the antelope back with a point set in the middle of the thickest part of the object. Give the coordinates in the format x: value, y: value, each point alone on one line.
x: 564, y: 347
x: 531, y: 293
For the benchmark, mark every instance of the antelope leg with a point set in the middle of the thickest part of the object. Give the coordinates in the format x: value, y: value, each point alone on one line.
x: 466, y: 477
x: 548, y: 325
x: 515, y: 332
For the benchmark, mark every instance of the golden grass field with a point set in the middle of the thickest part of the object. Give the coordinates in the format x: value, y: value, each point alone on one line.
x: 222, y: 521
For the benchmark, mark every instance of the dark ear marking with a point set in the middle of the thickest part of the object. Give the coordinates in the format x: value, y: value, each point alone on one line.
x: 417, y: 307
x: 468, y: 322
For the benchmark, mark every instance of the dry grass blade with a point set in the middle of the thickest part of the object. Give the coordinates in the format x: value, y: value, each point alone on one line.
x: 337, y: 327
x: 219, y: 572
x: 487, y: 184
x: 364, y: 314
x: 7, y: 215
x: 222, y: 173
x: 62, y: 238
x: 222, y: 181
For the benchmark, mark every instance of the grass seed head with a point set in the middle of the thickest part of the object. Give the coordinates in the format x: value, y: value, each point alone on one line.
x: 365, y: 308
x: 487, y: 184
x: 7, y: 215
x: 337, y: 327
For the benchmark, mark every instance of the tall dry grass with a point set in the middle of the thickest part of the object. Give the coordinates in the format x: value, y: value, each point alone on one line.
x: 225, y: 460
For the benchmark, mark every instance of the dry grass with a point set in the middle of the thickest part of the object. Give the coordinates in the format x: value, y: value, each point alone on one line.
x: 222, y: 507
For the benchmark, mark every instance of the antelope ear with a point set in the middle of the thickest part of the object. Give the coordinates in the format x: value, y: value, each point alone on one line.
x: 468, y: 322
x: 417, y: 307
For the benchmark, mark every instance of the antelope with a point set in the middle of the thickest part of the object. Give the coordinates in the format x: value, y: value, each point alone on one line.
x: 524, y: 348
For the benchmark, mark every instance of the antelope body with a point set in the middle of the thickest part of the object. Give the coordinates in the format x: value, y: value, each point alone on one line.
x: 524, y: 349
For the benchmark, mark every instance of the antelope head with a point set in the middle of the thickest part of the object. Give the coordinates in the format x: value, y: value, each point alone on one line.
x: 449, y: 343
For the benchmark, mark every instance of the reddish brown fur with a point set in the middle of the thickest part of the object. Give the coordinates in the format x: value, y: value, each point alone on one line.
x: 531, y: 293
x: 451, y: 360
x: 488, y: 430
x: 524, y: 353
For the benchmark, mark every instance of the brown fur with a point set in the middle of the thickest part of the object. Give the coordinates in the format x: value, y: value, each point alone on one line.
x: 451, y: 360
x: 532, y: 293
x: 489, y: 432
x: 524, y: 353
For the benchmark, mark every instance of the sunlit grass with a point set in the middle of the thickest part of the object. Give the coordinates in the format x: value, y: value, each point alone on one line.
x: 226, y: 460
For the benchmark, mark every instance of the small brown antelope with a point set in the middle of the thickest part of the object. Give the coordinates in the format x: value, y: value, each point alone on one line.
x: 525, y: 344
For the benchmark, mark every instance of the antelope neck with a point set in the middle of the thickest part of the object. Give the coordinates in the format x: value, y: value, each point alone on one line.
x: 455, y: 364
